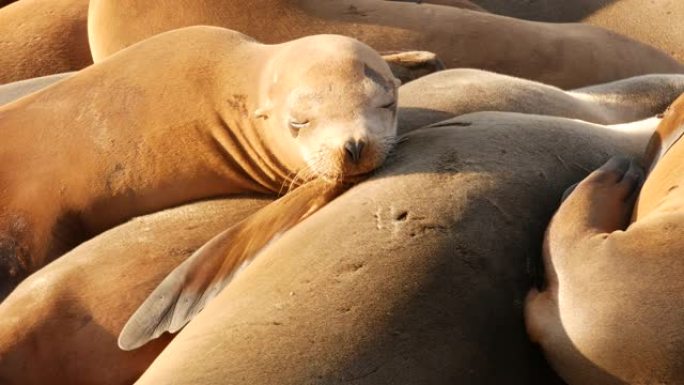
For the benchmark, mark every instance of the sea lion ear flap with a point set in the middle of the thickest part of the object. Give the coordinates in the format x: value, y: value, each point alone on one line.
x: 184, y: 292
x: 411, y: 65
x: 262, y: 113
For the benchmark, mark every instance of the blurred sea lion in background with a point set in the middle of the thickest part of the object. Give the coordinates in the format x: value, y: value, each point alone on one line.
x: 649, y: 22
x: 43, y: 37
x: 655, y: 23
x: 564, y: 55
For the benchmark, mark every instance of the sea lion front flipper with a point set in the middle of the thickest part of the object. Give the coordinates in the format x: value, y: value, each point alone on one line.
x: 187, y: 289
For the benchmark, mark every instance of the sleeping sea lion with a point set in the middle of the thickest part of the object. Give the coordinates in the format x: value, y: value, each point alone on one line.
x: 128, y: 137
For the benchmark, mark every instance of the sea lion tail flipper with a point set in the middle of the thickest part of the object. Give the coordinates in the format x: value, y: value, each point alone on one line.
x: 187, y: 289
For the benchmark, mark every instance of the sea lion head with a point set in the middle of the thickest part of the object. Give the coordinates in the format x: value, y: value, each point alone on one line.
x: 334, y: 100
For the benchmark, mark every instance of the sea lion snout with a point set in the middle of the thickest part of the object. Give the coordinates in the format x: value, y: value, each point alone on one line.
x: 353, y: 150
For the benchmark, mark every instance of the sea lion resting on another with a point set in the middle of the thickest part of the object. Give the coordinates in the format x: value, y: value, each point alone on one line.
x: 117, y: 139
x: 429, y: 268
x: 613, y: 306
x: 564, y: 55
x: 89, y: 343
x: 100, y: 283
x: 450, y: 93
x: 185, y: 291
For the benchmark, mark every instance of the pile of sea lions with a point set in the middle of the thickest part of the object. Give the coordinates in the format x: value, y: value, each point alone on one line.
x: 350, y: 191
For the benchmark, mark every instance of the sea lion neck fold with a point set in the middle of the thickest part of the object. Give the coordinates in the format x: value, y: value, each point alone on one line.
x: 239, y: 135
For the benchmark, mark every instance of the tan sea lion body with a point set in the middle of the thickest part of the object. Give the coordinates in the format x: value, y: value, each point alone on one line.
x: 454, y: 92
x: 138, y: 148
x: 65, y: 318
x: 568, y: 55
x: 43, y: 37
x: 612, y: 310
x: 418, y: 279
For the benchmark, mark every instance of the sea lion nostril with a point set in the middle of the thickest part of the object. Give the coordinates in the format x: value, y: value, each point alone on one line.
x: 354, y: 149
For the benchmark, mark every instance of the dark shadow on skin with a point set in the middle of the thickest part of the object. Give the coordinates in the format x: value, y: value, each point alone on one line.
x: 12, y: 270
x: 544, y: 10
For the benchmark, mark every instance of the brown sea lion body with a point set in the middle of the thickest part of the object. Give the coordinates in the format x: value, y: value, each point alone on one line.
x: 116, y: 140
x: 419, y: 278
x: 567, y: 55
x: 65, y: 318
x: 613, y: 306
x: 454, y: 92
x: 43, y: 37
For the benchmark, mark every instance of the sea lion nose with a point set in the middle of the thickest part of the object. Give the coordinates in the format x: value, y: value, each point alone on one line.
x: 354, y: 149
